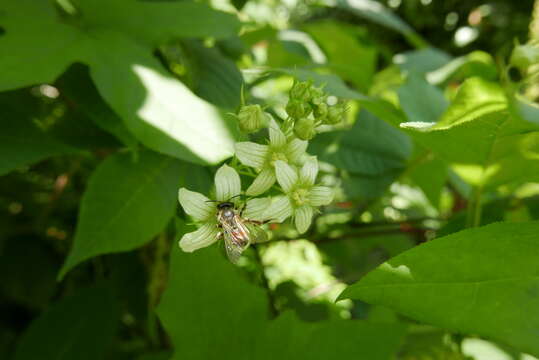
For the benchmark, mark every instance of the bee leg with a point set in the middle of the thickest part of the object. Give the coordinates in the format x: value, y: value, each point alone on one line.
x: 219, y: 235
x: 242, y: 209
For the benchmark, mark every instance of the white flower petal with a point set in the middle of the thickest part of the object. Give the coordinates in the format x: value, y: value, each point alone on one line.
x: 320, y: 195
x: 196, y: 205
x: 277, y: 137
x: 303, y: 218
x: 286, y: 175
x: 262, y: 183
x: 255, y: 209
x: 204, y: 236
x: 296, y: 149
x: 309, y: 171
x: 251, y: 154
x: 279, y: 210
x: 227, y: 183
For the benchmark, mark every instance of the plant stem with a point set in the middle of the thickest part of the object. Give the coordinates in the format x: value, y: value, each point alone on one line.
x: 474, y: 208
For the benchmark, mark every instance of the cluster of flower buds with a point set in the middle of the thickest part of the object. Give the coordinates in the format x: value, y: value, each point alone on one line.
x: 309, y: 108
x: 279, y: 166
x: 525, y: 56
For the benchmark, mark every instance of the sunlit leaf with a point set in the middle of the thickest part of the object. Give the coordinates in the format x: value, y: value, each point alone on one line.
x: 478, y: 129
x: 158, y: 109
x: 480, y: 281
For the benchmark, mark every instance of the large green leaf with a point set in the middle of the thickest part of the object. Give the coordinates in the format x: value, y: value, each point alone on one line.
x: 420, y: 100
x: 481, y: 281
x: 78, y: 327
x: 376, y: 12
x: 156, y: 22
x: 478, y: 129
x: 161, y: 111
x: 371, y: 147
x: 350, y: 58
x: 76, y: 86
x: 158, y: 109
x: 215, y: 77
x: 211, y: 312
x: 126, y: 203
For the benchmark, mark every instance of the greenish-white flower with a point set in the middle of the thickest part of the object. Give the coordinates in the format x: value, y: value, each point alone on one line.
x: 204, y: 212
x: 302, y: 195
x: 263, y: 157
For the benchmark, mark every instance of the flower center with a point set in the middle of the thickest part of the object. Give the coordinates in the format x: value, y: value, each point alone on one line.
x: 299, y: 196
x: 277, y: 155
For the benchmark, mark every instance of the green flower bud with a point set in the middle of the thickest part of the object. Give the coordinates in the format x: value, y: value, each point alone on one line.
x: 335, y: 114
x: 304, y: 128
x: 251, y: 118
x: 301, y: 91
x: 321, y: 111
x: 297, y: 109
x: 317, y: 95
x: 523, y: 56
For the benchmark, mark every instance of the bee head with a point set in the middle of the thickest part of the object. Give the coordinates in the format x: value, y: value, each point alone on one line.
x: 225, y: 205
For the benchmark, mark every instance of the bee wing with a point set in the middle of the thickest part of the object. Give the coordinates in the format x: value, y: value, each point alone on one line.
x: 256, y: 233
x: 233, y: 250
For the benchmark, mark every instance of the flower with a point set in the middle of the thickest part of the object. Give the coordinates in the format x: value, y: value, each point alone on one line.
x: 251, y: 118
x: 302, y: 195
x: 204, y: 211
x: 263, y: 157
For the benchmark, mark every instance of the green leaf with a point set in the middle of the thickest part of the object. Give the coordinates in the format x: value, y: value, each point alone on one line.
x: 378, y: 13
x: 158, y: 109
x: 422, y: 61
x: 430, y: 175
x: 350, y: 58
x: 237, y: 325
x: 481, y: 281
x: 56, y: 44
x: 371, y: 147
x: 478, y: 129
x: 477, y: 63
x: 216, y: 78
x: 75, y: 85
x: 420, y: 100
x: 126, y: 203
x: 161, y: 20
x: 22, y: 142
x: 78, y: 327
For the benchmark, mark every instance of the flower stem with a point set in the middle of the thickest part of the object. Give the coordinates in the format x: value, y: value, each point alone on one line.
x: 474, y: 208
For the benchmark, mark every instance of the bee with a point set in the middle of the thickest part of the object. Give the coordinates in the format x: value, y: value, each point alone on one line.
x: 237, y: 232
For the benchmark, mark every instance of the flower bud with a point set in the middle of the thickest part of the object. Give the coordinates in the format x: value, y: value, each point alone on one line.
x: 523, y: 56
x: 301, y: 91
x: 321, y: 111
x: 335, y: 114
x: 304, y: 128
x: 297, y: 109
x: 251, y: 118
x: 317, y: 95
